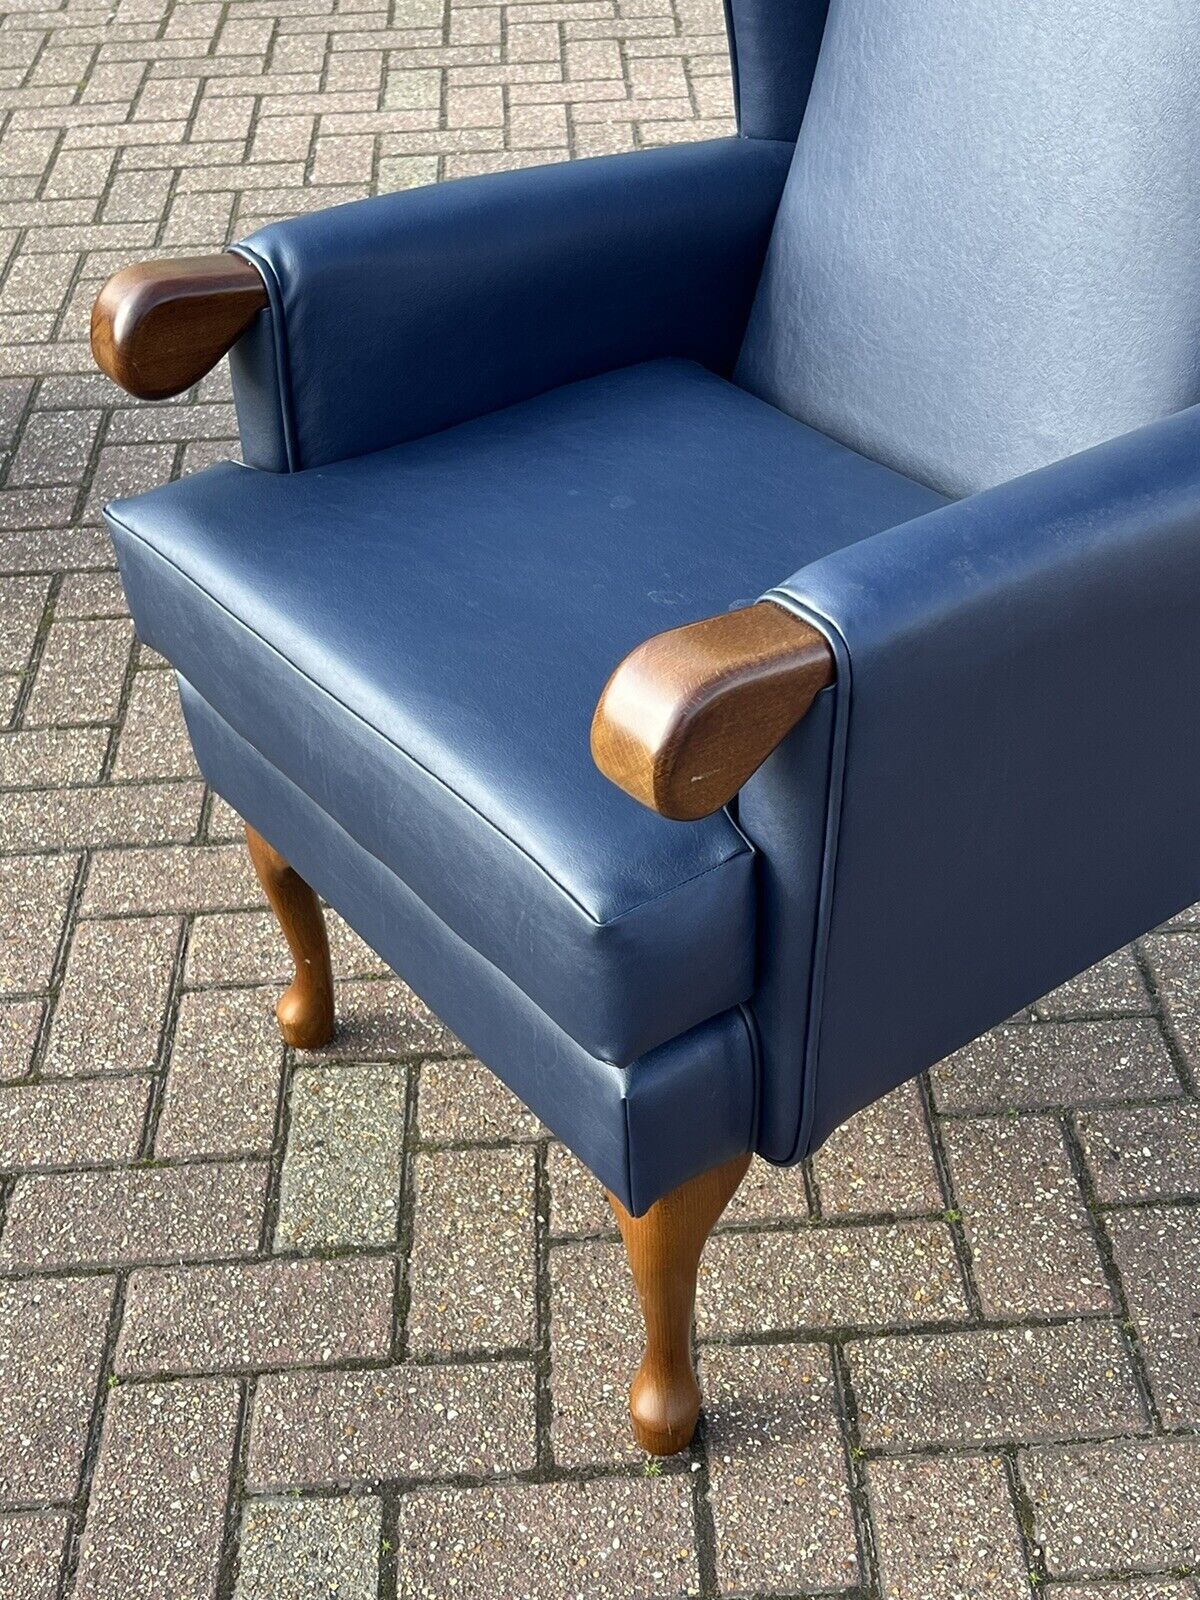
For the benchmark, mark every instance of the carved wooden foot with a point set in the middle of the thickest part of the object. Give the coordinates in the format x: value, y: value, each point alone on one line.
x: 664, y: 1249
x: 305, y: 1009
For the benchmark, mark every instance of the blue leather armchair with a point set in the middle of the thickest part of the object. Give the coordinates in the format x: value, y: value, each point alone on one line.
x: 923, y: 336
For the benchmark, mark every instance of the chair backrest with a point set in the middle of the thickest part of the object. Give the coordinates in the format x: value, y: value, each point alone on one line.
x: 987, y: 255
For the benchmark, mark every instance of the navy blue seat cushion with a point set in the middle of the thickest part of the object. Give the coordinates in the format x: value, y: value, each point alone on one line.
x: 417, y: 638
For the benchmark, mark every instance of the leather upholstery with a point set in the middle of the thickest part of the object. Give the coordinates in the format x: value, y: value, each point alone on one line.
x: 1013, y: 772
x: 397, y: 316
x: 642, y: 1128
x: 418, y: 638
x: 773, y: 49
x: 985, y: 257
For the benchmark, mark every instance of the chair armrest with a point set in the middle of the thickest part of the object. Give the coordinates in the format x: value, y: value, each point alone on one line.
x: 402, y: 315
x: 690, y: 714
x: 159, y: 326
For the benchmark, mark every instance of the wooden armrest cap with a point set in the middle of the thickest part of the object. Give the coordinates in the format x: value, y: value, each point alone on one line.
x: 690, y: 714
x: 159, y: 326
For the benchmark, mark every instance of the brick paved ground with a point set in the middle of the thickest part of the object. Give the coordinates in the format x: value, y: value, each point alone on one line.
x: 277, y: 1325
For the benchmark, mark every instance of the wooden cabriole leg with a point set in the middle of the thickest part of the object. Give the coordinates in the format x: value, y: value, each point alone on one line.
x: 305, y: 1009
x: 664, y: 1248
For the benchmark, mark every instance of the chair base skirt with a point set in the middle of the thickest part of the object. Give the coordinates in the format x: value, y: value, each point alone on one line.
x: 644, y: 1129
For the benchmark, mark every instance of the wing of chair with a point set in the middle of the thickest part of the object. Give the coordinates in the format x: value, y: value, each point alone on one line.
x: 534, y: 454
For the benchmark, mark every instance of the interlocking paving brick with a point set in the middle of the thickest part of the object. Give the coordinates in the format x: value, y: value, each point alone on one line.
x: 1114, y: 985
x: 992, y: 1385
x: 1158, y: 1253
x: 247, y: 947
x: 46, y: 757
x: 81, y: 671
x: 1143, y: 1152
x: 880, y: 1161
x: 947, y: 1526
x: 257, y: 1314
x: 22, y: 603
x: 1174, y: 962
x: 30, y: 1551
x: 33, y: 905
x: 1057, y: 1063
x: 766, y: 1194
x: 20, y: 1021
x: 157, y: 1511
x: 460, y: 1101
x: 1126, y: 1504
x: 863, y: 1276
x: 51, y: 1340
x: 129, y: 882
x: 59, y: 819
x: 779, y: 1491
x: 410, y: 1421
x: 153, y: 741
x: 298, y: 1549
x: 345, y: 1155
x: 110, y: 1012
x: 1032, y: 1245
x: 71, y: 1124
x: 223, y: 1080
x: 147, y: 1214
x: 473, y: 1250
x: 608, y: 1540
x: 378, y: 1019
x: 595, y: 1347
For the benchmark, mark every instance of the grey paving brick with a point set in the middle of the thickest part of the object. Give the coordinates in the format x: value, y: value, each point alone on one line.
x: 405, y: 1422
x: 81, y: 670
x: 345, y: 1155
x: 153, y: 741
x: 248, y: 947
x: 298, y: 1549
x: 577, y: 1203
x: 47, y: 757
x: 51, y: 1340
x: 147, y: 1214
x: 257, y: 1315
x: 608, y: 1540
x: 947, y: 1526
x: 22, y: 604
x: 461, y: 1101
x: 378, y: 1020
x: 1113, y: 986
x: 71, y: 1124
x: 223, y: 1081
x: 1066, y: 1063
x: 880, y: 1161
x: 34, y: 891
x: 157, y: 1511
x: 1129, y: 1504
x: 1158, y: 1253
x: 473, y: 1251
x: 992, y: 1385
x: 20, y: 1021
x: 1032, y: 1244
x: 191, y: 878
x: 1143, y: 1152
x: 62, y: 819
x: 779, y: 1490
x: 30, y: 1551
x: 111, y: 1009
x: 1174, y: 962
x: 595, y: 1346
x: 865, y: 1276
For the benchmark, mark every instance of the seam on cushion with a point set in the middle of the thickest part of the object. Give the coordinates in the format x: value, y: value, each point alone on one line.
x: 433, y: 777
x: 279, y: 342
x: 811, y: 1054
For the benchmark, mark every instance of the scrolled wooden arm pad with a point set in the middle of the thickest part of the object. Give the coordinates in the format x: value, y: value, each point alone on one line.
x: 690, y: 714
x: 158, y: 327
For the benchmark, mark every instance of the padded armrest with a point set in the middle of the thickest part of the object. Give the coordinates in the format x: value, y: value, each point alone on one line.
x: 1015, y: 767
x: 398, y: 316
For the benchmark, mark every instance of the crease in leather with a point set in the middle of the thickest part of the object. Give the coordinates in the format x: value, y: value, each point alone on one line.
x: 843, y: 686
x: 745, y: 846
x: 279, y: 342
